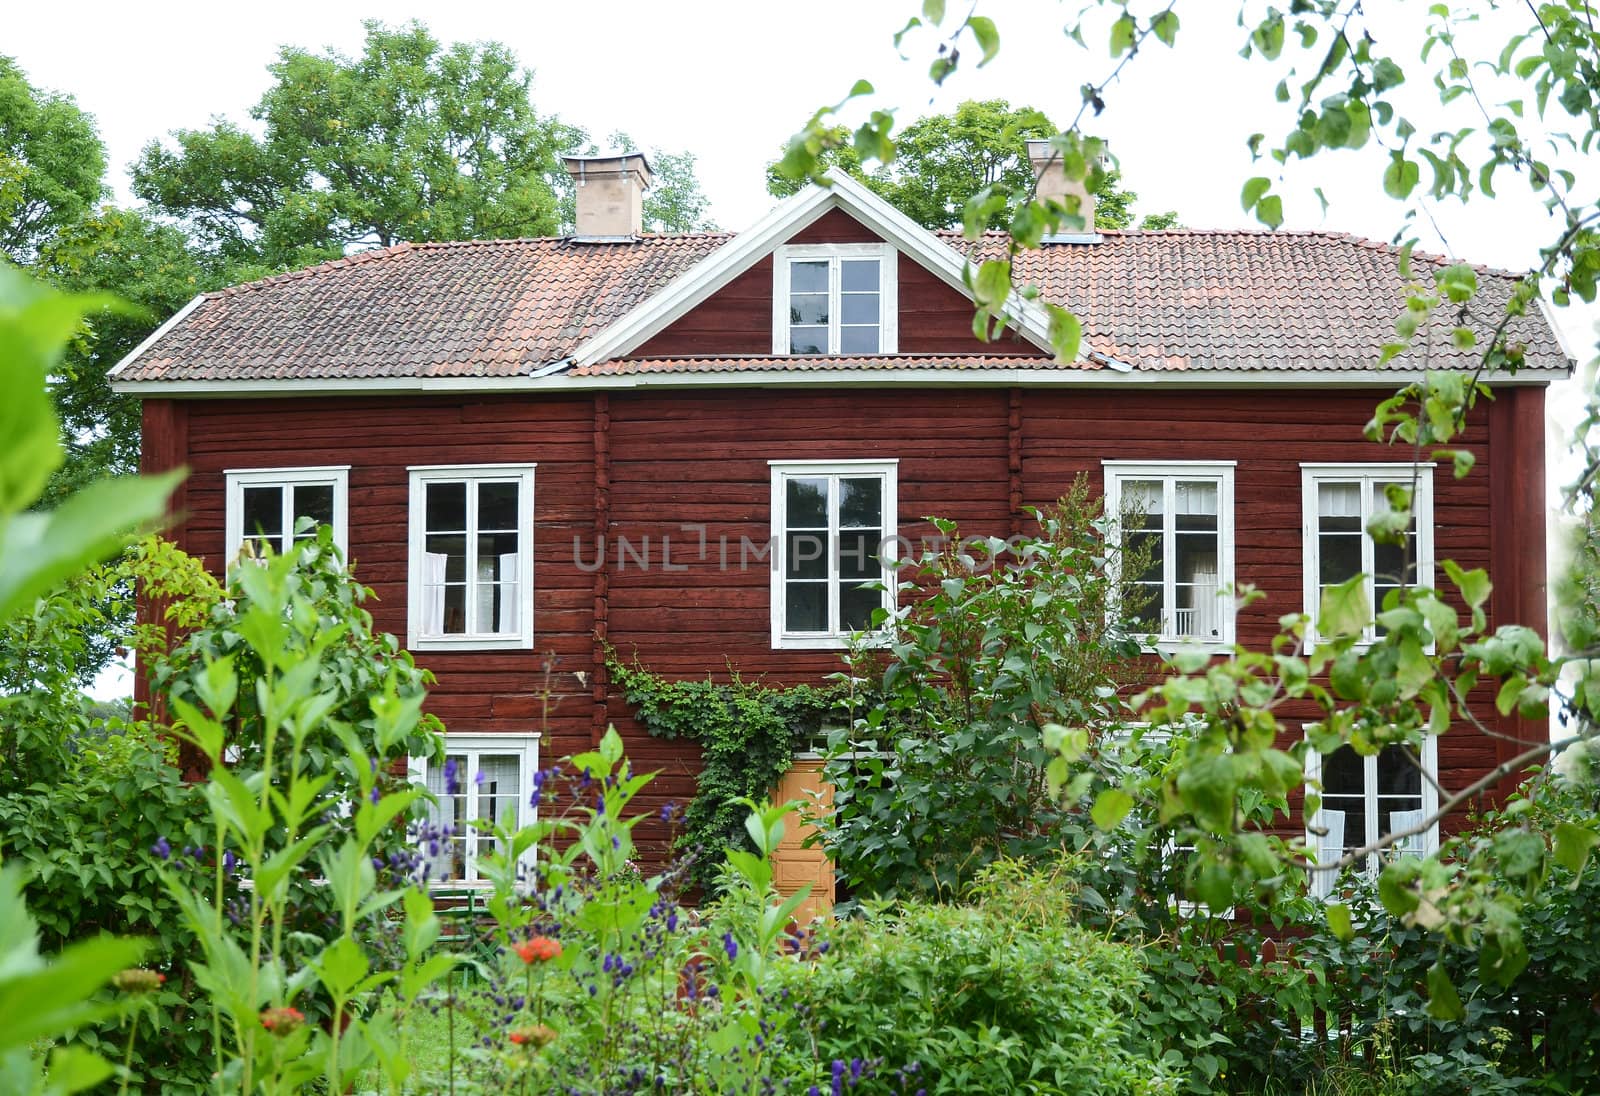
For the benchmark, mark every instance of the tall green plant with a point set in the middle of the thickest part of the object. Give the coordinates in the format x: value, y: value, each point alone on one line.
x: 948, y: 770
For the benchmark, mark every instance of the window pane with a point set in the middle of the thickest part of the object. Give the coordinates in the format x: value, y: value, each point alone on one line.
x: 263, y: 511
x: 499, y: 795
x: 858, y: 340
x: 856, y: 606
x: 1194, y: 500
x: 1142, y: 497
x: 449, y: 559
x: 1135, y: 542
x: 861, y: 503
x: 808, y: 276
x: 497, y: 507
x: 1390, y: 562
x: 496, y: 586
x: 1339, y: 500
x: 806, y: 555
x: 446, y: 510
x: 808, y: 340
x: 858, y: 275
x: 1344, y: 772
x: 1339, y: 558
x: 858, y: 559
x: 314, y: 501
x: 805, y: 606
x: 1344, y: 796
x: 806, y: 500
x: 859, y: 308
x: 1398, y: 774
x: 808, y: 308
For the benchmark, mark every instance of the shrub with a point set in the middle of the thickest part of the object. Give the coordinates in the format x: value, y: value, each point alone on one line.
x: 999, y: 996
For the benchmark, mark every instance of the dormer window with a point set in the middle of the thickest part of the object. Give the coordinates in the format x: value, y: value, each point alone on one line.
x: 834, y: 299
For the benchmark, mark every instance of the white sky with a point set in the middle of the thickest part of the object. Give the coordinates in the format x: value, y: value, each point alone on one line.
x: 729, y: 81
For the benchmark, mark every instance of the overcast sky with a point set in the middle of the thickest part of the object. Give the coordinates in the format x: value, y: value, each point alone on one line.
x: 730, y: 81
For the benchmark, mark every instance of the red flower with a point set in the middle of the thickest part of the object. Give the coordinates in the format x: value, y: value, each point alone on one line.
x: 282, y: 1021
x: 541, y: 949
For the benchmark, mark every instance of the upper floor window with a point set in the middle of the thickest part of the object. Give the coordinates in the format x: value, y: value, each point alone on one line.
x: 1179, y: 513
x: 264, y: 506
x: 834, y: 299
x: 1339, y: 503
x: 484, y: 782
x: 832, y: 524
x: 1367, y: 798
x: 471, y: 557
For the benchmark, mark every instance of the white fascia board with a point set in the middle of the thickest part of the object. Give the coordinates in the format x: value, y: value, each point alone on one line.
x: 790, y: 216
x: 564, y: 383
x: 1561, y: 336
x: 707, y: 276
x: 157, y: 335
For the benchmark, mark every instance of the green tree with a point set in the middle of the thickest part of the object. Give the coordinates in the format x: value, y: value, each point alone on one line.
x: 51, y: 164
x: 411, y: 140
x: 943, y: 160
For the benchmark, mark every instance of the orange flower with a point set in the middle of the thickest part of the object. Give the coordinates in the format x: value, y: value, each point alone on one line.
x: 282, y: 1021
x: 539, y: 1036
x: 541, y: 949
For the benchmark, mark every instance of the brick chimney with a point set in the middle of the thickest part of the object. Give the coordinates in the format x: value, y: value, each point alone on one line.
x: 1054, y: 184
x: 610, y: 193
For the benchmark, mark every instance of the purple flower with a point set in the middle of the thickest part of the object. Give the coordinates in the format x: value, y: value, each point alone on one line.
x: 856, y: 1066
x: 229, y: 861
x: 162, y: 848
x: 838, y: 1077
x: 480, y: 778
x: 376, y: 795
x: 668, y: 809
x: 451, y: 784
x: 730, y: 945
x: 672, y: 921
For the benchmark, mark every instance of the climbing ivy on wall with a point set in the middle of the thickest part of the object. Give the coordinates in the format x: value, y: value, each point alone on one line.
x: 748, y: 734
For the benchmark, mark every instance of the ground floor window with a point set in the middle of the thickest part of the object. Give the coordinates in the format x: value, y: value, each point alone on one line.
x: 1368, y: 797
x: 483, y: 782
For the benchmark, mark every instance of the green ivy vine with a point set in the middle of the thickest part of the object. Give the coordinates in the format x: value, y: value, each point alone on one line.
x: 748, y: 734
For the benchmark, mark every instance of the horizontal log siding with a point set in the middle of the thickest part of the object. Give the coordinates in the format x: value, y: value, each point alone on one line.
x: 700, y: 459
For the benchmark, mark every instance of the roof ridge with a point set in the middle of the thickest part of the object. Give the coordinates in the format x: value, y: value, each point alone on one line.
x: 372, y: 254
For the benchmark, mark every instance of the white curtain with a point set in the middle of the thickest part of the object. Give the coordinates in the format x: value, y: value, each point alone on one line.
x: 1331, y: 846
x: 1339, y: 500
x: 433, y: 565
x: 1405, y: 820
x: 497, y: 586
x: 1207, y: 606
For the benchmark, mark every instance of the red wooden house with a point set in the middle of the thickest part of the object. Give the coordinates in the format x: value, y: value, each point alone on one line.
x: 541, y: 446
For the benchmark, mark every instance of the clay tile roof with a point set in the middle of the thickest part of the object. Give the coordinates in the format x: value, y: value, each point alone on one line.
x: 1156, y: 301
x: 1255, y: 300
x: 494, y: 308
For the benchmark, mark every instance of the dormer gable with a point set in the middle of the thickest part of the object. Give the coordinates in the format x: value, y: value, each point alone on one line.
x: 831, y: 272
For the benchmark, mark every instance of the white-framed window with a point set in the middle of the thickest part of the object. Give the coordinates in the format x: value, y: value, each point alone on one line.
x: 484, y: 780
x: 1182, y: 513
x: 471, y: 557
x: 835, y: 299
x: 1365, y: 798
x: 833, y: 530
x: 1338, y: 503
x: 264, y: 505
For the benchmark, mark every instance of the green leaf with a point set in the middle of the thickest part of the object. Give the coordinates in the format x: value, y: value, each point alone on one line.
x: 992, y: 285
x: 1444, y: 1003
x: 1400, y: 178
x: 988, y: 37
x: 933, y: 11
x: 1269, y: 211
x: 76, y: 1069
x: 1345, y: 610
x: 1474, y: 584
x: 1339, y: 921
x: 1066, y: 333
x: 1253, y: 191
x: 1573, y: 844
x: 1110, y: 808
x: 1124, y: 32
x: 1165, y: 26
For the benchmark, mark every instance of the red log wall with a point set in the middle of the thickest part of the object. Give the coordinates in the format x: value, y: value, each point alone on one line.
x: 644, y: 465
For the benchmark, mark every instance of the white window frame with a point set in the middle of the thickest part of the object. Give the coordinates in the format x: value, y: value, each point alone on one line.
x: 474, y: 744
x: 1368, y: 476
x: 1322, y: 881
x: 782, y: 471
x: 888, y: 291
x: 336, y: 476
x: 1221, y: 473
x: 421, y: 476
